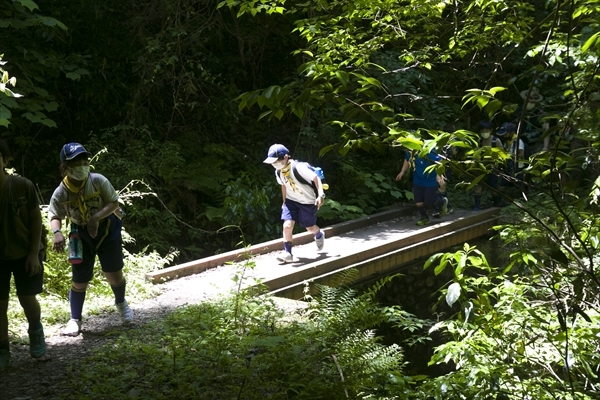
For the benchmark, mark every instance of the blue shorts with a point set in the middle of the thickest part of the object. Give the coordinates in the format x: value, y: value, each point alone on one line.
x: 107, y: 244
x: 26, y: 285
x: 304, y: 214
x: 424, y: 194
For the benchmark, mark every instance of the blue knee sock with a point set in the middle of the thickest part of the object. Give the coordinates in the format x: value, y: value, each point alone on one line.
x: 287, y: 246
x: 119, y: 292
x: 76, y: 299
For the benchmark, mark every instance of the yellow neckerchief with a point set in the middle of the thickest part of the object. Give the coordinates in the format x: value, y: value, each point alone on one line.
x: 513, y: 152
x: 81, y: 198
x: 287, y: 174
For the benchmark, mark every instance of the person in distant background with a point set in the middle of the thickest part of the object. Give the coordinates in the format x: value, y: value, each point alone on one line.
x: 487, y: 138
x: 533, y: 127
x: 519, y: 152
x: 21, y: 255
x: 89, y: 201
x: 425, y: 185
x: 300, y: 201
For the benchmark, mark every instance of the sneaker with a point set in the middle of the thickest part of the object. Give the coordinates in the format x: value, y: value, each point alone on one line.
x: 476, y: 209
x: 450, y: 210
x: 125, y: 311
x: 444, y: 207
x: 436, y: 215
x: 4, y: 358
x: 320, y: 242
x: 423, y: 221
x: 37, y: 343
x: 73, y: 328
x: 285, y: 257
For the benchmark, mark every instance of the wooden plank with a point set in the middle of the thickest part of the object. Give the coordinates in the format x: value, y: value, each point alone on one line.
x: 407, y: 251
x: 197, y: 266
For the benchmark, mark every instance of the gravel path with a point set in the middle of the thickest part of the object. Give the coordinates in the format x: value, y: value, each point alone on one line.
x: 29, y: 379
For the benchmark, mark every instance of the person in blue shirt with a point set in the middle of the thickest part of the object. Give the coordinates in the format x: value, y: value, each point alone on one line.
x: 425, y: 184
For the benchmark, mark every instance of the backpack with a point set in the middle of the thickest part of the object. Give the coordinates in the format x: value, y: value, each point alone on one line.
x: 19, y: 186
x: 300, y: 178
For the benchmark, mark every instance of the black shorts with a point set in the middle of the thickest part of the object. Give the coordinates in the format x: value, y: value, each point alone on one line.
x: 425, y: 194
x: 26, y: 285
x: 107, y: 244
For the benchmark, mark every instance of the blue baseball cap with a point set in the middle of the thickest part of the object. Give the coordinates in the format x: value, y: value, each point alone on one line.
x: 72, y: 150
x: 275, y: 153
x: 485, y: 124
x: 506, y: 128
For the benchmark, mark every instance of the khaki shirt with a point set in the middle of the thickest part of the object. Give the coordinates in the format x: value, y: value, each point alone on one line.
x: 63, y: 203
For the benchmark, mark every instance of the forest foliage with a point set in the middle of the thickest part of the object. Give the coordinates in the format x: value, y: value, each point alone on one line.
x: 180, y: 99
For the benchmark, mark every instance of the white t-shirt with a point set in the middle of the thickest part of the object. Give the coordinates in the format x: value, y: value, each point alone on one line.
x: 296, y: 190
x: 64, y: 202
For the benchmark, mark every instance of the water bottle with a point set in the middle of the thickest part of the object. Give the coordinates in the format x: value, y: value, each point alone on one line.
x: 321, y: 176
x: 75, y: 247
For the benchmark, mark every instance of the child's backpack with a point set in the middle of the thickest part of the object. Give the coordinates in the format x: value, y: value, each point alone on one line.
x: 300, y: 178
x: 20, y: 200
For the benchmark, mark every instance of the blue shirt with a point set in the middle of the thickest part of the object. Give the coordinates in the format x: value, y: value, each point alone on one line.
x: 420, y: 177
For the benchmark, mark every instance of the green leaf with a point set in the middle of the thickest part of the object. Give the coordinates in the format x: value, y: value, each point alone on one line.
x: 49, y: 21
x: 343, y: 77
x: 588, y: 43
x: 272, y: 90
x: 28, y: 4
x: 73, y: 75
x: 48, y: 122
x: 51, y: 106
x: 441, y: 266
x: 5, y: 113
x: 453, y: 293
x: 431, y: 260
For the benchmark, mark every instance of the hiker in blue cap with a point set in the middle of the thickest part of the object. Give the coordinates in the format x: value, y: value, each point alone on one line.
x: 302, y: 192
x: 91, y: 203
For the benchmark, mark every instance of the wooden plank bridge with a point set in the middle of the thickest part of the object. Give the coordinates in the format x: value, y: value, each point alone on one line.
x: 375, y: 246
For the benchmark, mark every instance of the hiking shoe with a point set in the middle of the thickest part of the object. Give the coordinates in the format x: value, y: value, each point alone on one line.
x: 73, y: 328
x: 285, y: 257
x: 4, y: 358
x: 125, y: 311
x: 444, y: 207
x: 423, y: 221
x: 37, y: 343
x: 320, y: 242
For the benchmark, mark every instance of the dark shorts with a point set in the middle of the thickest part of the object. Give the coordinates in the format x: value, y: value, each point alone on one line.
x: 108, y: 245
x: 26, y: 285
x: 425, y: 194
x: 304, y: 214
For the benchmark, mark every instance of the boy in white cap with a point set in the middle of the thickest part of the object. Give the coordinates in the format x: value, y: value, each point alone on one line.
x: 303, y: 195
